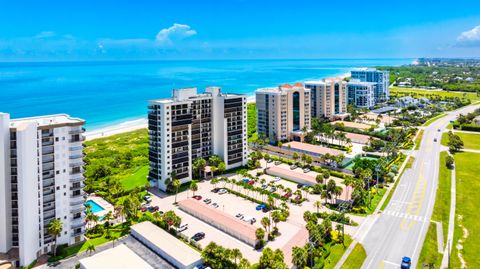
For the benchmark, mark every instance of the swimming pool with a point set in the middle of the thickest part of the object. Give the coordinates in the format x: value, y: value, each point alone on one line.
x: 94, y: 206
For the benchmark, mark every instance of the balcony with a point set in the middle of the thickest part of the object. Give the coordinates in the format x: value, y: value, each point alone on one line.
x: 77, y: 131
x: 79, y: 186
x: 76, y: 200
x: 76, y: 156
x: 77, y: 233
x: 78, y: 223
x: 76, y: 178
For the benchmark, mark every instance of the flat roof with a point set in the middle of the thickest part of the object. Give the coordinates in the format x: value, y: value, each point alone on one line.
x: 291, y: 174
x: 226, y: 220
x: 166, y: 242
x: 311, y: 148
x: 118, y: 257
x: 383, y: 109
x: 364, y: 139
x: 48, y: 120
x: 353, y: 124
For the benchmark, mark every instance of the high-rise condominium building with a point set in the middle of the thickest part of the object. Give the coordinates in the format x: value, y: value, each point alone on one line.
x: 41, y: 179
x: 283, y: 112
x: 328, y: 97
x: 381, y: 78
x: 191, y: 125
x: 361, y: 94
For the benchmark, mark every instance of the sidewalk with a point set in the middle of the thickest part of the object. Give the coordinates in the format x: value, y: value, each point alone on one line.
x: 451, y: 223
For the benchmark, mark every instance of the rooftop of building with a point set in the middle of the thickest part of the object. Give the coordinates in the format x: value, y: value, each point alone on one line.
x: 320, y: 150
x: 281, y: 88
x: 186, y: 94
x: 362, y: 83
x: 48, y: 120
x: 172, y: 246
x: 118, y: 257
x: 355, y: 125
x: 364, y: 69
x: 384, y: 109
x: 323, y: 81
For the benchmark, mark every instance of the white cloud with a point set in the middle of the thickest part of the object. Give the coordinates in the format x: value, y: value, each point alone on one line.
x: 45, y: 34
x: 175, y: 32
x: 470, y: 37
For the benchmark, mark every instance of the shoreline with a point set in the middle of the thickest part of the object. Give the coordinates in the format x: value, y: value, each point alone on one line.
x: 132, y: 125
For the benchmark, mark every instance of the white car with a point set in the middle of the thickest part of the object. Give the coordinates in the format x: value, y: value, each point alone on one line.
x: 249, y: 219
x: 182, y: 227
x: 275, y: 179
x: 222, y: 191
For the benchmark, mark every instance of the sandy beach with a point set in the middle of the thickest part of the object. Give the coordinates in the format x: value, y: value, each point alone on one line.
x: 123, y: 127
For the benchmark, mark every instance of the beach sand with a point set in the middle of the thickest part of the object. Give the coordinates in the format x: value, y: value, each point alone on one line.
x: 123, y: 127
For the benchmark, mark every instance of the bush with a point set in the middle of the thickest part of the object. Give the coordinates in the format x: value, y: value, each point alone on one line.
x: 449, y: 161
x: 470, y: 127
x: 260, y: 244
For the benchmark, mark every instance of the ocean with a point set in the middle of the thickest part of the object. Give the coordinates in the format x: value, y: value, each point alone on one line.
x: 109, y: 93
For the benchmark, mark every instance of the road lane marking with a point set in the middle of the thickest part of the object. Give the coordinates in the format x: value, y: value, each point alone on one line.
x: 416, y: 200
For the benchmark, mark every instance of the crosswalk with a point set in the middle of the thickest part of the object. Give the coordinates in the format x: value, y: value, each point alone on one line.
x: 403, y: 215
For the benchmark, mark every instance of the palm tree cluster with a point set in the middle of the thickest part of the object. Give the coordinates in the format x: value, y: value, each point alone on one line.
x: 272, y: 259
x: 220, y: 257
x: 325, y: 133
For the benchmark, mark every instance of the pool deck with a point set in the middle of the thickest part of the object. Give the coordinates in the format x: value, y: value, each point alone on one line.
x: 103, y: 203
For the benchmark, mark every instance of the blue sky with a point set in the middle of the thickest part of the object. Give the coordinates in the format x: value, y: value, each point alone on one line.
x: 237, y: 29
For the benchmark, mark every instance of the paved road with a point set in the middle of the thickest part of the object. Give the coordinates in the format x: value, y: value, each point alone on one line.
x: 400, y: 230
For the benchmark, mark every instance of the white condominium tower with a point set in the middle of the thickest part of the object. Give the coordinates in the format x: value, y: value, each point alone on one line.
x: 361, y: 94
x: 328, y: 97
x: 191, y: 125
x: 381, y: 78
x: 41, y: 166
x: 283, y: 111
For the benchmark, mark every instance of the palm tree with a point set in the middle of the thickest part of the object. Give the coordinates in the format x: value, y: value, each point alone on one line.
x: 118, y: 209
x: 260, y: 234
x: 348, y: 182
x: 199, y: 164
x: 266, y: 224
x: 319, y: 178
x: 176, y: 185
x: 295, y: 156
x: 90, y: 248
x: 299, y: 257
x: 114, y: 237
x: 244, y: 264
x: 108, y: 217
x: 193, y: 186
x: 237, y: 255
x: 317, y: 205
x: 276, y: 217
x: 54, y: 229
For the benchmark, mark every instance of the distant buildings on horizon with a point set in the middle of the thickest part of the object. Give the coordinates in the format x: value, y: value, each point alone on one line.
x: 284, y: 111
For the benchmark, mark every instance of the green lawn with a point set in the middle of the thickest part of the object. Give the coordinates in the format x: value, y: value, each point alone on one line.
x: 444, y: 140
x: 441, y: 211
x: 418, y: 140
x: 470, y: 141
x: 427, y: 93
x: 468, y: 201
x: 138, y: 178
x: 430, y: 121
x: 356, y: 258
x: 336, y: 253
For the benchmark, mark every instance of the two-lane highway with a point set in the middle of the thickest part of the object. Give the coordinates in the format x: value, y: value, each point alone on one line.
x: 401, y: 228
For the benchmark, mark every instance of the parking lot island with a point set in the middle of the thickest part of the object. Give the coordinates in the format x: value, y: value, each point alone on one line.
x: 166, y: 245
x: 239, y: 229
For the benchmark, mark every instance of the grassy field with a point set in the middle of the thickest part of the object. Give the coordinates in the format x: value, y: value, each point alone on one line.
x: 336, y: 252
x: 441, y: 210
x: 427, y: 93
x: 467, y: 227
x: 430, y: 121
x: 356, y: 258
x: 418, y: 140
x: 470, y: 141
x: 122, y: 157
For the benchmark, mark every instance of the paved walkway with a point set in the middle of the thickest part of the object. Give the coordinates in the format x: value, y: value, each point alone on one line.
x: 451, y: 222
x: 346, y: 254
x: 467, y: 132
x: 471, y: 150
x: 440, y: 240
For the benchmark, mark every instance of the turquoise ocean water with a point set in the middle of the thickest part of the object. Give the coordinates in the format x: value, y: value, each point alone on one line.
x: 107, y: 93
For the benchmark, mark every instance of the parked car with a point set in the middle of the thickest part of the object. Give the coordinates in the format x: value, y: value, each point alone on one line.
x: 207, y: 201
x: 406, y: 263
x: 215, y: 190
x: 251, y: 182
x: 260, y: 207
x: 277, y: 162
x: 239, y: 216
x: 182, y: 227
x: 287, y: 195
x: 269, y: 161
x: 276, y: 179
x: 299, y: 186
x: 222, y: 191
x: 197, y: 197
x: 293, y: 167
x: 439, y: 130
x: 273, y: 189
x: 264, y: 186
x: 298, y: 198
x: 215, y: 205
x: 266, y: 209
x: 245, y: 180
x: 153, y: 208
x: 198, y: 236
x: 147, y: 198
x: 434, y: 140
x: 306, y: 170
x: 249, y: 219
x: 143, y: 209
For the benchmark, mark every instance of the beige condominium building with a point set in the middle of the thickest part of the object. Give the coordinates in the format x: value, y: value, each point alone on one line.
x: 283, y: 111
x: 328, y: 97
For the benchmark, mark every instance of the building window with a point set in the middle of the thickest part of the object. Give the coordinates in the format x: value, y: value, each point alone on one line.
x: 296, y: 111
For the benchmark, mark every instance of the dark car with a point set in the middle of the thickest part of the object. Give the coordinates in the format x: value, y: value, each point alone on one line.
x: 299, y: 186
x: 207, y: 201
x: 197, y: 197
x: 153, y: 208
x: 287, y: 195
x: 198, y: 236
x: 406, y: 263
x: 143, y: 209
x: 215, y: 190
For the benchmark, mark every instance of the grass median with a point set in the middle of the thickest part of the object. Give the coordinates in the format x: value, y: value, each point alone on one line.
x: 356, y: 258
